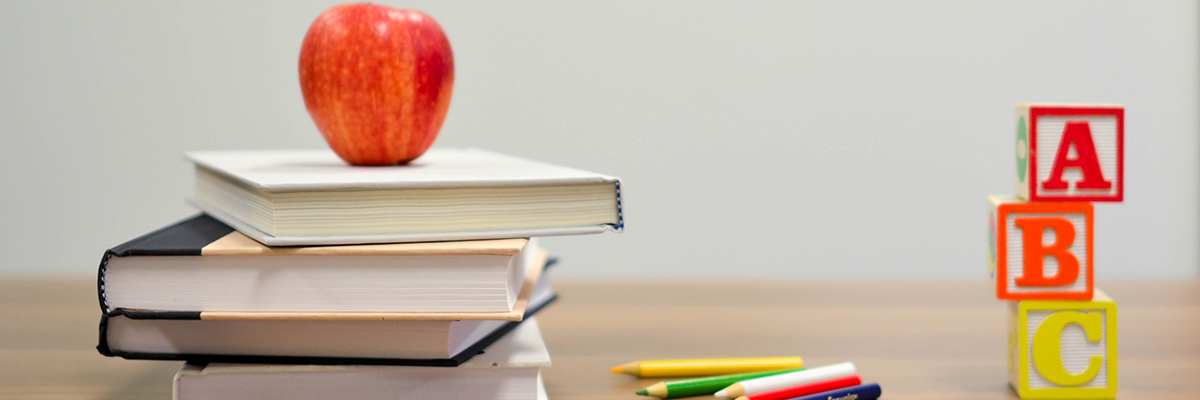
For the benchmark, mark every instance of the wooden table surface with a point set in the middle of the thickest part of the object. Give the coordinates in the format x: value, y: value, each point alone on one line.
x: 918, y: 339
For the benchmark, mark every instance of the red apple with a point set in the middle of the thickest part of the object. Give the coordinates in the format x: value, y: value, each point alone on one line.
x: 376, y: 81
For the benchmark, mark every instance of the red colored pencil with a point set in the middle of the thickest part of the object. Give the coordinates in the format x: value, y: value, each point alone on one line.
x: 805, y: 389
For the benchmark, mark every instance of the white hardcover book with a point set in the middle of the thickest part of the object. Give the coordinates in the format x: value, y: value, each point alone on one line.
x: 310, y: 197
x: 507, y: 370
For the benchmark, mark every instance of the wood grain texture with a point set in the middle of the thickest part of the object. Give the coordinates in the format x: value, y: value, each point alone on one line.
x: 918, y: 339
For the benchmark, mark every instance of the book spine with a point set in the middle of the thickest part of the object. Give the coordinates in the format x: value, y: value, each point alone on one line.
x: 100, y: 294
x: 184, y: 238
x: 102, y: 343
x: 620, y: 209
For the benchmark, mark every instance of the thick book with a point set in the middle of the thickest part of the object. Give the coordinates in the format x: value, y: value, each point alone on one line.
x: 203, y: 265
x: 311, y: 197
x: 507, y: 370
x: 290, y: 340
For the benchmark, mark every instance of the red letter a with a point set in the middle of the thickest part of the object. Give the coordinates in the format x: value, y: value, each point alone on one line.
x: 1079, y: 134
x: 1035, y: 251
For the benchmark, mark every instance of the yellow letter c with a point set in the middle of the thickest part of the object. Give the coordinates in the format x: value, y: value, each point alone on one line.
x: 1047, y: 355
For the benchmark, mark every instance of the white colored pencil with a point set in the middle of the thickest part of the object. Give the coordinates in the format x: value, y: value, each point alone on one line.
x: 759, y: 385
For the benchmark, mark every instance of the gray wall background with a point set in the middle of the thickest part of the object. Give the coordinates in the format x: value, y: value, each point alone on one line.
x: 799, y: 139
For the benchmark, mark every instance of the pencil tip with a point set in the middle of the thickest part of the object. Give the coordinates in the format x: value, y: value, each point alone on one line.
x: 643, y: 392
x: 658, y: 390
x: 720, y: 393
x: 627, y: 369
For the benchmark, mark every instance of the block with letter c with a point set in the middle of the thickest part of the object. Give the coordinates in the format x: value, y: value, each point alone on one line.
x: 1063, y: 349
x: 1041, y: 250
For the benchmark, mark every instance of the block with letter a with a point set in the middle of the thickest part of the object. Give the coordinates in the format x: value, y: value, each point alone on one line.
x: 1041, y: 250
x: 1070, y: 152
x: 1063, y: 349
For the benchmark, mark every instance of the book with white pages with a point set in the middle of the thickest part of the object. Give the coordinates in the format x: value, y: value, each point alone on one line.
x: 201, y: 265
x: 507, y: 370
x: 360, y: 338
x: 311, y: 197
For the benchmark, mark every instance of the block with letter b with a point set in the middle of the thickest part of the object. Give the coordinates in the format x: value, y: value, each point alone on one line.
x: 1041, y: 250
x: 1070, y: 152
x: 1063, y: 349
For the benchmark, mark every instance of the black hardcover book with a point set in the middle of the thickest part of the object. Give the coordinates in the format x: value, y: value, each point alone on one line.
x: 187, y: 256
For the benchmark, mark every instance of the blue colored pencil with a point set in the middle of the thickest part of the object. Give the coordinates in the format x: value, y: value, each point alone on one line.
x: 870, y: 391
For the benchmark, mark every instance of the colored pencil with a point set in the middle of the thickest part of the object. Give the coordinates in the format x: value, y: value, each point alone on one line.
x: 805, y: 389
x: 702, y: 367
x: 759, y: 385
x: 870, y: 391
x: 703, y: 386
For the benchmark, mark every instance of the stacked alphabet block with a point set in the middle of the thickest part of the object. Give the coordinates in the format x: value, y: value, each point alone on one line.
x: 1062, y: 331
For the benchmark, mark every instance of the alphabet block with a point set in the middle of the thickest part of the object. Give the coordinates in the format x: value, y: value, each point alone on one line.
x: 1041, y: 251
x: 1070, y: 152
x: 1063, y: 349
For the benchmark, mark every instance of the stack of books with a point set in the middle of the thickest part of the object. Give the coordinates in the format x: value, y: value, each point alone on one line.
x: 308, y: 278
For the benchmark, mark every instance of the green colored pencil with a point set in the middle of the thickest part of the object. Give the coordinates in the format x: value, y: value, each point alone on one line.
x: 703, y: 386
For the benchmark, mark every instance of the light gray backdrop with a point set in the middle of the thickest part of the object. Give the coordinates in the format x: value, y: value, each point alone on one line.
x: 800, y: 139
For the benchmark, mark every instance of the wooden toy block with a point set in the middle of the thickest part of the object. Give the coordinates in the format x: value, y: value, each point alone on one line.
x: 1070, y: 152
x: 1040, y: 251
x: 1063, y: 349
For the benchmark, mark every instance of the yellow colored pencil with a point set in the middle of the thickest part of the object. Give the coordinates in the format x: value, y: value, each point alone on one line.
x: 701, y: 367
